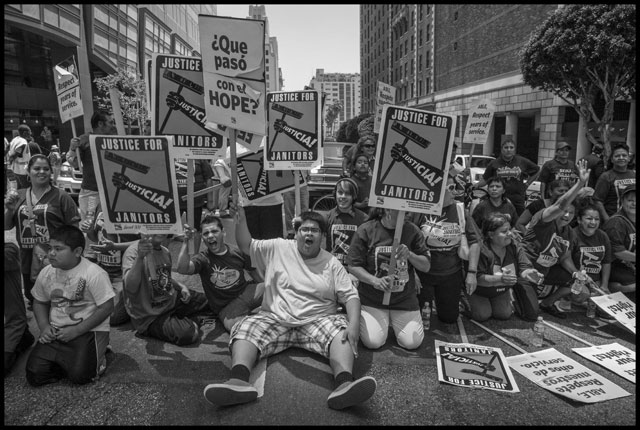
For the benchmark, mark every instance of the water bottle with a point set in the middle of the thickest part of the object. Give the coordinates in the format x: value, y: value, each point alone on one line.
x: 426, y: 316
x: 12, y: 187
x: 92, y: 203
x: 538, y: 333
x: 580, y: 280
x: 402, y: 271
x: 591, y: 308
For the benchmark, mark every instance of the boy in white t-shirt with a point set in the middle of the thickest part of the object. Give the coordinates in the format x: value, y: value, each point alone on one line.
x: 73, y: 299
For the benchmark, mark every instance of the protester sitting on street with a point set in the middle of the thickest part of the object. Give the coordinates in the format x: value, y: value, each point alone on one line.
x: 517, y: 172
x: 109, y: 248
x: 151, y: 295
x: 368, y: 259
x: 221, y: 267
x: 547, y: 242
x: 591, y: 250
x: 502, y: 265
x: 19, y: 155
x: 36, y: 212
x: 444, y: 235
x: 608, y: 191
x: 367, y: 145
x: 560, y: 167
x: 17, y: 337
x: 303, y: 286
x: 495, y: 202
x: 73, y: 301
x: 621, y: 229
x: 362, y: 177
x: 343, y: 220
x: 556, y: 189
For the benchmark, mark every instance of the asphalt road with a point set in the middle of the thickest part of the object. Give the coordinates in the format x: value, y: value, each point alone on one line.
x: 149, y: 382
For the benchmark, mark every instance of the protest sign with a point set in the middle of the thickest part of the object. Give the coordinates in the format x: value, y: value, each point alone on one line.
x: 560, y: 374
x: 479, y: 122
x: 386, y: 95
x: 412, y: 160
x: 475, y: 366
x: 136, y: 183
x: 294, y: 135
x: 615, y: 357
x: 233, y: 60
x: 620, y: 307
x: 257, y: 182
x: 67, y: 83
x: 178, y: 98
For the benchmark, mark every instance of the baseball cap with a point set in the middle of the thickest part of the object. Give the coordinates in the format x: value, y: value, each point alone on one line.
x: 628, y: 189
x: 24, y: 127
x: 562, y: 144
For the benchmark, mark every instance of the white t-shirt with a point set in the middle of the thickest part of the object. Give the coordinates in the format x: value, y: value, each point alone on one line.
x: 297, y: 291
x: 19, y: 164
x: 74, y: 294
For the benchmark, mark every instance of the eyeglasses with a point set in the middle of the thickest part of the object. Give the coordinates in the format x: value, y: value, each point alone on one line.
x: 313, y: 230
x: 369, y: 146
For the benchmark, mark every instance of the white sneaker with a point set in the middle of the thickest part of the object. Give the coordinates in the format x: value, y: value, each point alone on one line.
x: 352, y: 393
x: 232, y: 392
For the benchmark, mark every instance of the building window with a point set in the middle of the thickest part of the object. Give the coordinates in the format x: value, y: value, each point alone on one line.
x: 428, y: 60
x: 455, y: 16
x: 455, y: 46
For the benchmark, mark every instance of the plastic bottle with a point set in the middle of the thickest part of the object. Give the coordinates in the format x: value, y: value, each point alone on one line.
x: 426, y: 316
x: 538, y: 333
x: 92, y: 203
x: 591, y: 308
x: 12, y: 186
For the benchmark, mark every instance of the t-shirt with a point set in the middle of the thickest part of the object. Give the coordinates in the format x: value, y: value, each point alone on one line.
x: 371, y: 249
x: 545, y: 243
x: 552, y: 170
x: 364, y: 187
x: 486, y: 208
x: 110, y: 261
x: 19, y: 164
x: 443, y: 234
x: 622, y: 234
x: 536, y: 206
x: 202, y: 173
x: 156, y: 294
x: 89, y: 181
x: 74, y: 294
x: 514, y: 172
x: 342, y: 226
x: 589, y: 253
x: 298, y: 291
x: 222, y: 276
x: 489, y: 263
x: 609, y: 188
x: 54, y: 209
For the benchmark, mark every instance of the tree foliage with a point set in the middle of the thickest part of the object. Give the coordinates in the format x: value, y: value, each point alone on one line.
x: 348, y: 131
x: 333, y: 111
x: 133, y: 97
x: 583, y: 53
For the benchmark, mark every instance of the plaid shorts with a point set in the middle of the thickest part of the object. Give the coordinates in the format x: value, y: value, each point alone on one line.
x: 271, y: 337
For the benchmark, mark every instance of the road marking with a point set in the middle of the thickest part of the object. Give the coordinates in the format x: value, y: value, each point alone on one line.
x: 258, y: 376
x: 463, y: 333
x: 567, y: 333
x: 517, y: 348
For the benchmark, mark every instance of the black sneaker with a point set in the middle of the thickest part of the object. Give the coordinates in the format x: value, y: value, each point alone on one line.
x: 553, y: 310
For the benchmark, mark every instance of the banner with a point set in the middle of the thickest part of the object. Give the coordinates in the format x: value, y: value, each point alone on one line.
x: 620, y: 307
x: 256, y: 182
x: 479, y: 122
x: 412, y: 160
x: 233, y: 59
x: 474, y: 366
x: 137, y: 187
x: 294, y: 135
x: 67, y: 81
x: 178, y: 98
x: 615, y: 357
x: 386, y: 95
x: 559, y: 374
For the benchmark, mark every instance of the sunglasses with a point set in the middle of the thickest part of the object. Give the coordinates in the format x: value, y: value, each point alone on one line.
x: 369, y: 146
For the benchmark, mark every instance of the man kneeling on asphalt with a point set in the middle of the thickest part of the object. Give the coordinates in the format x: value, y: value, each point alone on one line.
x: 303, y: 286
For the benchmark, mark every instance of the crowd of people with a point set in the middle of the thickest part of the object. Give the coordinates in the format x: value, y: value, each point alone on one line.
x: 325, y: 283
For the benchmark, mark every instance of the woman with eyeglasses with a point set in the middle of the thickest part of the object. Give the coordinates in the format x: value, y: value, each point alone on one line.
x: 501, y: 266
x: 35, y: 212
x: 547, y: 242
x: 368, y: 259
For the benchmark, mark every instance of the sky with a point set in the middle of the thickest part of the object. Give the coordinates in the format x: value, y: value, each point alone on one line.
x: 310, y: 37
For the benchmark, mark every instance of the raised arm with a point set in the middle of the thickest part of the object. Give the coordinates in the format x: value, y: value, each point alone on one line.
x: 560, y: 206
x: 243, y: 236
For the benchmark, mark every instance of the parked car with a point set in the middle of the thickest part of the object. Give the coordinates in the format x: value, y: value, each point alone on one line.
x: 69, y: 179
x: 478, y: 165
x: 533, y: 192
x: 323, y: 179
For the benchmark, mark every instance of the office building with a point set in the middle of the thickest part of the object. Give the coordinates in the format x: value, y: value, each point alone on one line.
x: 343, y: 87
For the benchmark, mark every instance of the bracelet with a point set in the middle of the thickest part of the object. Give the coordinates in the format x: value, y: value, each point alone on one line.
x: 472, y: 271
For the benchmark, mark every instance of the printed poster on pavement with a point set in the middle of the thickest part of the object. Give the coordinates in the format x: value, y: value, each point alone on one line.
x: 474, y: 366
x: 178, y: 99
x: 257, y: 183
x: 233, y: 60
x: 294, y: 125
x: 67, y: 83
x: 137, y: 187
x: 620, y: 307
x: 615, y: 357
x: 412, y: 160
x: 554, y: 371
